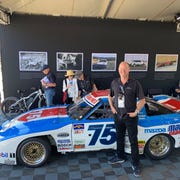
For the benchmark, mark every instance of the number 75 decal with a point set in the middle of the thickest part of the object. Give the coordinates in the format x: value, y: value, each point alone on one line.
x: 108, y: 136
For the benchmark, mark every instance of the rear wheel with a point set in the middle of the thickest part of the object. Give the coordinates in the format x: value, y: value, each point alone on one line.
x: 10, y: 108
x: 159, y: 146
x: 33, y: 152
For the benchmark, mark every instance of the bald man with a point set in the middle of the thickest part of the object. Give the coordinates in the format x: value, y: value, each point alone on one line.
x: 123, y: 96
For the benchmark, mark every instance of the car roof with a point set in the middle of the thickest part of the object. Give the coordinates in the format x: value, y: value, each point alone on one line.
x: 103, y: 95
x: 100, y: 93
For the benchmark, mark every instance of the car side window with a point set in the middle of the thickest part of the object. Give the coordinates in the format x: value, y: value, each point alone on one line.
x: 153, y: 109
x: 80, y: 113
x: 103, y: 111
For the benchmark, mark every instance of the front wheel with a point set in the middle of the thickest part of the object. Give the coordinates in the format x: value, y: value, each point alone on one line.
x: 159, y: 146
x: 10, y: 108
x: 33, y: 152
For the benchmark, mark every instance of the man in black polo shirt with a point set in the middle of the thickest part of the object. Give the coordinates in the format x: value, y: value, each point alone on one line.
x: 123, y: 96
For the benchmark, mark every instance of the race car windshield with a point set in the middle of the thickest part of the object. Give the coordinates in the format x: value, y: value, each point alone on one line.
x: 153, y: 109
x: 79, y: 110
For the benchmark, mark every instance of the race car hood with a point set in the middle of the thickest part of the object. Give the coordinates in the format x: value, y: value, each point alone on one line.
x: 34, y: 121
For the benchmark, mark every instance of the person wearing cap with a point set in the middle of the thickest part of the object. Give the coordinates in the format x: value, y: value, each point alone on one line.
x: 48, y: 83
x: 85, y: 85
x: 70, y: 86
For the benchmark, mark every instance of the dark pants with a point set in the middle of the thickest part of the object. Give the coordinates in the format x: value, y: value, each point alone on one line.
x: 69, y: 100
x: 121, y: 124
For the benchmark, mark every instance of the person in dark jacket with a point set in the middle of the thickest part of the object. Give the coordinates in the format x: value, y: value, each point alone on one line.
x: 85, y: 85
x: 48, y: 83
x: 175, y: 91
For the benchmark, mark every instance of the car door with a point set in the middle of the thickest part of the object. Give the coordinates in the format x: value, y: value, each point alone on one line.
x: 153, y: 121
x: 96, y: 131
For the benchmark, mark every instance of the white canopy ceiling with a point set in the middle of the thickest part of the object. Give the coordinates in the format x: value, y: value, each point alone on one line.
x: 152, y: 10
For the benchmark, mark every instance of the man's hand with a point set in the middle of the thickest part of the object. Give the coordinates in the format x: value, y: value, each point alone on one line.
x: 133, y: 114
x: 113, y: 110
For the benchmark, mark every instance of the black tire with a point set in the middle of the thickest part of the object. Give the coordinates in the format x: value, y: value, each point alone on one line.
x: 159, y: 146
x: 33, y: 152
x: 8, y: 109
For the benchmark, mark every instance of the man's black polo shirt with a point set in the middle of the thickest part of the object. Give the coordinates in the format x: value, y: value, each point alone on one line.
x: 131, y: 90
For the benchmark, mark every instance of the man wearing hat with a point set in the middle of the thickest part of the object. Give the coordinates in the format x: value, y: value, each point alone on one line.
x: 70, y: 86
x: 48, y: 83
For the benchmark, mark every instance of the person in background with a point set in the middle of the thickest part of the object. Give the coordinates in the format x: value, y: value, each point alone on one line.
x: 125, y: 107
x: 85, y: 85
x: 70, y: 85
x: 175, y: 91
x: 48, y: 83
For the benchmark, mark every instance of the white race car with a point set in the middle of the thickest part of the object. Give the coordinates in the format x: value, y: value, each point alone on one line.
x: 87, y: 125
x: 136, y: 63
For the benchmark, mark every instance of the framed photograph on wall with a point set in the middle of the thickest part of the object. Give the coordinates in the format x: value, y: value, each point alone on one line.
x: 166, y: 62
x: 32, y: 60
x: 69, y: 60
x: 103, y: 61
x: 137, y: 62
